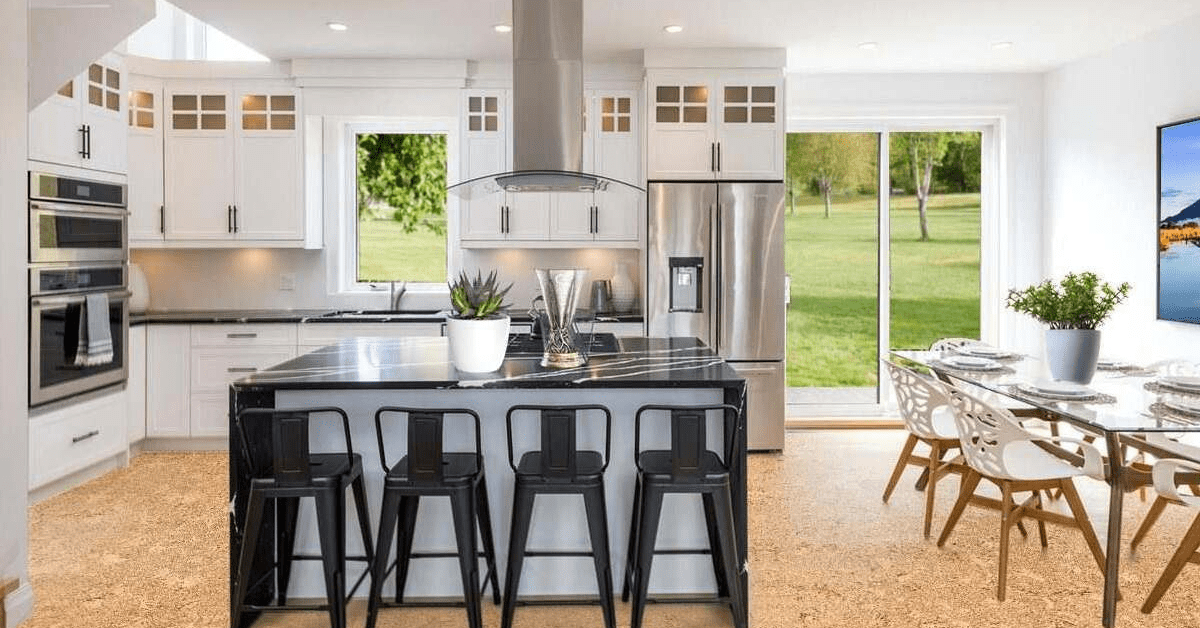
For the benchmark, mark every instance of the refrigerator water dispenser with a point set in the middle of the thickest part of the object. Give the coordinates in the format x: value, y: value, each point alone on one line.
x: 687, y: 281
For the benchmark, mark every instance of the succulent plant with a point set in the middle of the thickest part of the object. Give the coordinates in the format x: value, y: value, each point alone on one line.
x: 478, y: 297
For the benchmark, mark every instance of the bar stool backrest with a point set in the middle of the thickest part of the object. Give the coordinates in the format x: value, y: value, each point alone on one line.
x: 291, y: 458
x: 559, y: 438
x: 689, y: 435
x: 426, y: 438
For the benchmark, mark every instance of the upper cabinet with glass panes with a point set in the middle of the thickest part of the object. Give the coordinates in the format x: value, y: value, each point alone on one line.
x: 715, y: 124
x: 268, y: 112
x: 83, y: 123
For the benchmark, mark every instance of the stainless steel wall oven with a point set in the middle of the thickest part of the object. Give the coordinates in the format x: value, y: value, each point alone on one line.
x: 78, y: 246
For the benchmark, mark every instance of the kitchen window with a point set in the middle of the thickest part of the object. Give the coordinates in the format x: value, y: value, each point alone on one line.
x: 401, y: 207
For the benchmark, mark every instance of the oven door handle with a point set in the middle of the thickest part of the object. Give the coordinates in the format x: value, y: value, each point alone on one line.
x: 93, y: 210
x: 68, y: 299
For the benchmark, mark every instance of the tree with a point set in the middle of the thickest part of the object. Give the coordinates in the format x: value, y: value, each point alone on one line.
x: 918, y: 153
x: 830, y: 160
x: 404, y: 173
x: 961, y: 168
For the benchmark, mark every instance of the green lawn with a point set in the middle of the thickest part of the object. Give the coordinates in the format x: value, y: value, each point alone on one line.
x: 832, y: 318
x: 386, y: 253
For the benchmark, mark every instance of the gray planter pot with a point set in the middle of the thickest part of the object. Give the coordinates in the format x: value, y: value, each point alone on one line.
x: 1072, y: 354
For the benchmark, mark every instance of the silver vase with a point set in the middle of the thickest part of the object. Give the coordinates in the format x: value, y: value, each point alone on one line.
x: 560, y: 291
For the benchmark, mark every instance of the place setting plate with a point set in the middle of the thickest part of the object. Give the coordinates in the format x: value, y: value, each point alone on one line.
x: 984, y: 351
x: 970, y: 363
x: 1188, y: 407
x: 1058, y: 390
x: 1182, y: 383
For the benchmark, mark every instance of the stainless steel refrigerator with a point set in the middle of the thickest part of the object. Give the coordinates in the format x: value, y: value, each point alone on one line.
x: 714, y: 270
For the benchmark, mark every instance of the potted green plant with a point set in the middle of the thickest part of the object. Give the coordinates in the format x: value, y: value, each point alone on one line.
x: 478, y: 326
x: 1072, y: 309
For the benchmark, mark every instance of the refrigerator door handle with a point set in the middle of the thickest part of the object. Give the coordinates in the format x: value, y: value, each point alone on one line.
x: 714, y: 279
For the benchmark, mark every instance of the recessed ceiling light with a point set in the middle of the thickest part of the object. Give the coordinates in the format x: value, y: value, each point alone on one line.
x: 336, y: 26
x: 869, y: 45
x: 1002, y: 45
x: 502, y: 28
x: 673, y: 28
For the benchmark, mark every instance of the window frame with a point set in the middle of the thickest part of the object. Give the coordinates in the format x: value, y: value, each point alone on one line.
x: 347, y: 211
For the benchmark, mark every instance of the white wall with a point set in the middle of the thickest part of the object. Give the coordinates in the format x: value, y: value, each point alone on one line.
x: 1010, y: 103
x: 1100, y: 179
x: 14, y: 348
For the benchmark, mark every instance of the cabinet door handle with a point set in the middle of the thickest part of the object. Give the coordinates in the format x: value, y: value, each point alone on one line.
x: 595, y: 219
x: 242, y: 335
x: 501, y: 208
x: 242, y: 369
x: 83, y: 437
x: 229, y: 219
x: 87, y: 141
x: 162, y: 218
x: 83, y: 140
x: 235, y: 220
x: 718, y: 156
x: 712, y: 156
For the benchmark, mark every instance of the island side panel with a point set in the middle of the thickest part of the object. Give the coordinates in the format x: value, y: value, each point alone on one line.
x: 735, y: 395
x: 558, y: 521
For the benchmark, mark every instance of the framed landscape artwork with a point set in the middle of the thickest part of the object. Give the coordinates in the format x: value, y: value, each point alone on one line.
x: 1179, y: 221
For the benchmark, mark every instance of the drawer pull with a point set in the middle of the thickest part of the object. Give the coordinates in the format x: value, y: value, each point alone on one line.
x: 80, y: 439
x: 242, y: 335
x: 241, y: 369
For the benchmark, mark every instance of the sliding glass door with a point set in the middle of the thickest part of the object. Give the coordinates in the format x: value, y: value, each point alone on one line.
x: 855, y: 294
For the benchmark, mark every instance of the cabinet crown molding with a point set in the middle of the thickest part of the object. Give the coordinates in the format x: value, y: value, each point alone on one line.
x: 732, y: 58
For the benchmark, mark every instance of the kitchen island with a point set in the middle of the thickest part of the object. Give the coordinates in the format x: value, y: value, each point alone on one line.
x: 364, y: 374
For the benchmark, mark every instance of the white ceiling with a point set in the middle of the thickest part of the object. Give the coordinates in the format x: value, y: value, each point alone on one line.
x: 820, y: 35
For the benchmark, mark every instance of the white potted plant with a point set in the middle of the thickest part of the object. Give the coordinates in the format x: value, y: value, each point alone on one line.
x: 478, y: 326
x: 1073, y: 310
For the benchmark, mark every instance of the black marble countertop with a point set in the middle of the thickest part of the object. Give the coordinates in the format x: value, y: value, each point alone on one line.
x: 184, y: 317
x: 424, y: 363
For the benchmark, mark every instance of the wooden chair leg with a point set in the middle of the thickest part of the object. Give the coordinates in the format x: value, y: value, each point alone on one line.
x: 1006, y: 517
x: 970, y: 480
x: 1081, y: 518
x: 905, y: 454
x: 1152, y: 515
x: 1041, y: 524
x: 935, y: 457
x: 1185, y: 553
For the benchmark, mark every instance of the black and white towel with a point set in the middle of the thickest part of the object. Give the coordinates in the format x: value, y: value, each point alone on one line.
x: 95, y: 339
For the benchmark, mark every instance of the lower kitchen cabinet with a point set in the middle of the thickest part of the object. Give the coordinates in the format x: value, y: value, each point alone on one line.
x: 135, y: 387
x: 69, y: 439
x: 313, y: 336
x: 168, y: 362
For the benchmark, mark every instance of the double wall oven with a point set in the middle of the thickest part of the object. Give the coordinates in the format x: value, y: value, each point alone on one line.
x: 78, y: 246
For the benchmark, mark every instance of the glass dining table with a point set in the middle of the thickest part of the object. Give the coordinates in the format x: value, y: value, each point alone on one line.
x: 1127, y: 406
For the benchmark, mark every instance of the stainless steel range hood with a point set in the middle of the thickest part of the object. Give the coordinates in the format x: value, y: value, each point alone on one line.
x: 548, y: 106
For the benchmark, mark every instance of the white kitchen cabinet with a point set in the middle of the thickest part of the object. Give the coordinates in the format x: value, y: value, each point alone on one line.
x: 715, y: 124
x: 269, y: 204
x: 566, y: 219
x: 83, y: 124
x: 199, y: 162
x: 72, y: 438
x: 484, y: 131
x: 135, y: 386
x: 168, y: 381
x: 233, y: 165
x: 147, y: 215
x: 223, y: 353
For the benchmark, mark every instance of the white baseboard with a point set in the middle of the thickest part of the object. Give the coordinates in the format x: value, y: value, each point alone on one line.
x: 208, y: 443
x: 83, y: 476
x: 18, y: 606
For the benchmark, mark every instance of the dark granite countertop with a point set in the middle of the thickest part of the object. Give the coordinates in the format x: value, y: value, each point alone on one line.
x: 424, y: 363
x: 183, y: 317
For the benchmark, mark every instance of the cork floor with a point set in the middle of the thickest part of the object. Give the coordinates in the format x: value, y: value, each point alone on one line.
x: 147, y: 546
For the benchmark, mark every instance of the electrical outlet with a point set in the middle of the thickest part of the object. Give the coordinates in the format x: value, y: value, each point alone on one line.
x: 287, y: 281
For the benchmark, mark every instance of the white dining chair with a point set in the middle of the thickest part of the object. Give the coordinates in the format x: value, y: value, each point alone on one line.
x: 950, y: 344
x: 928, y: 418
x: 998, y: 449
x: 1164, y: 475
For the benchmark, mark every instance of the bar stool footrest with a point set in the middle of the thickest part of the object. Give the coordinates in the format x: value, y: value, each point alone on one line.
x: 560, y: 554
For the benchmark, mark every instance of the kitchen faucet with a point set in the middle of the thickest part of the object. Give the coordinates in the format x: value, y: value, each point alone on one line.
x: 397, y: 294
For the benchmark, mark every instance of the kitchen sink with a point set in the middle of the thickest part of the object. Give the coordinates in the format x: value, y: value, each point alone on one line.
x: 382, y: 315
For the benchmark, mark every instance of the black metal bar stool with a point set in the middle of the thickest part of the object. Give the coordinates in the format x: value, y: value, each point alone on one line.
x: 559, y: 467
x: 427, y: 470
x: 688, y: 467
x: 294, y: 472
